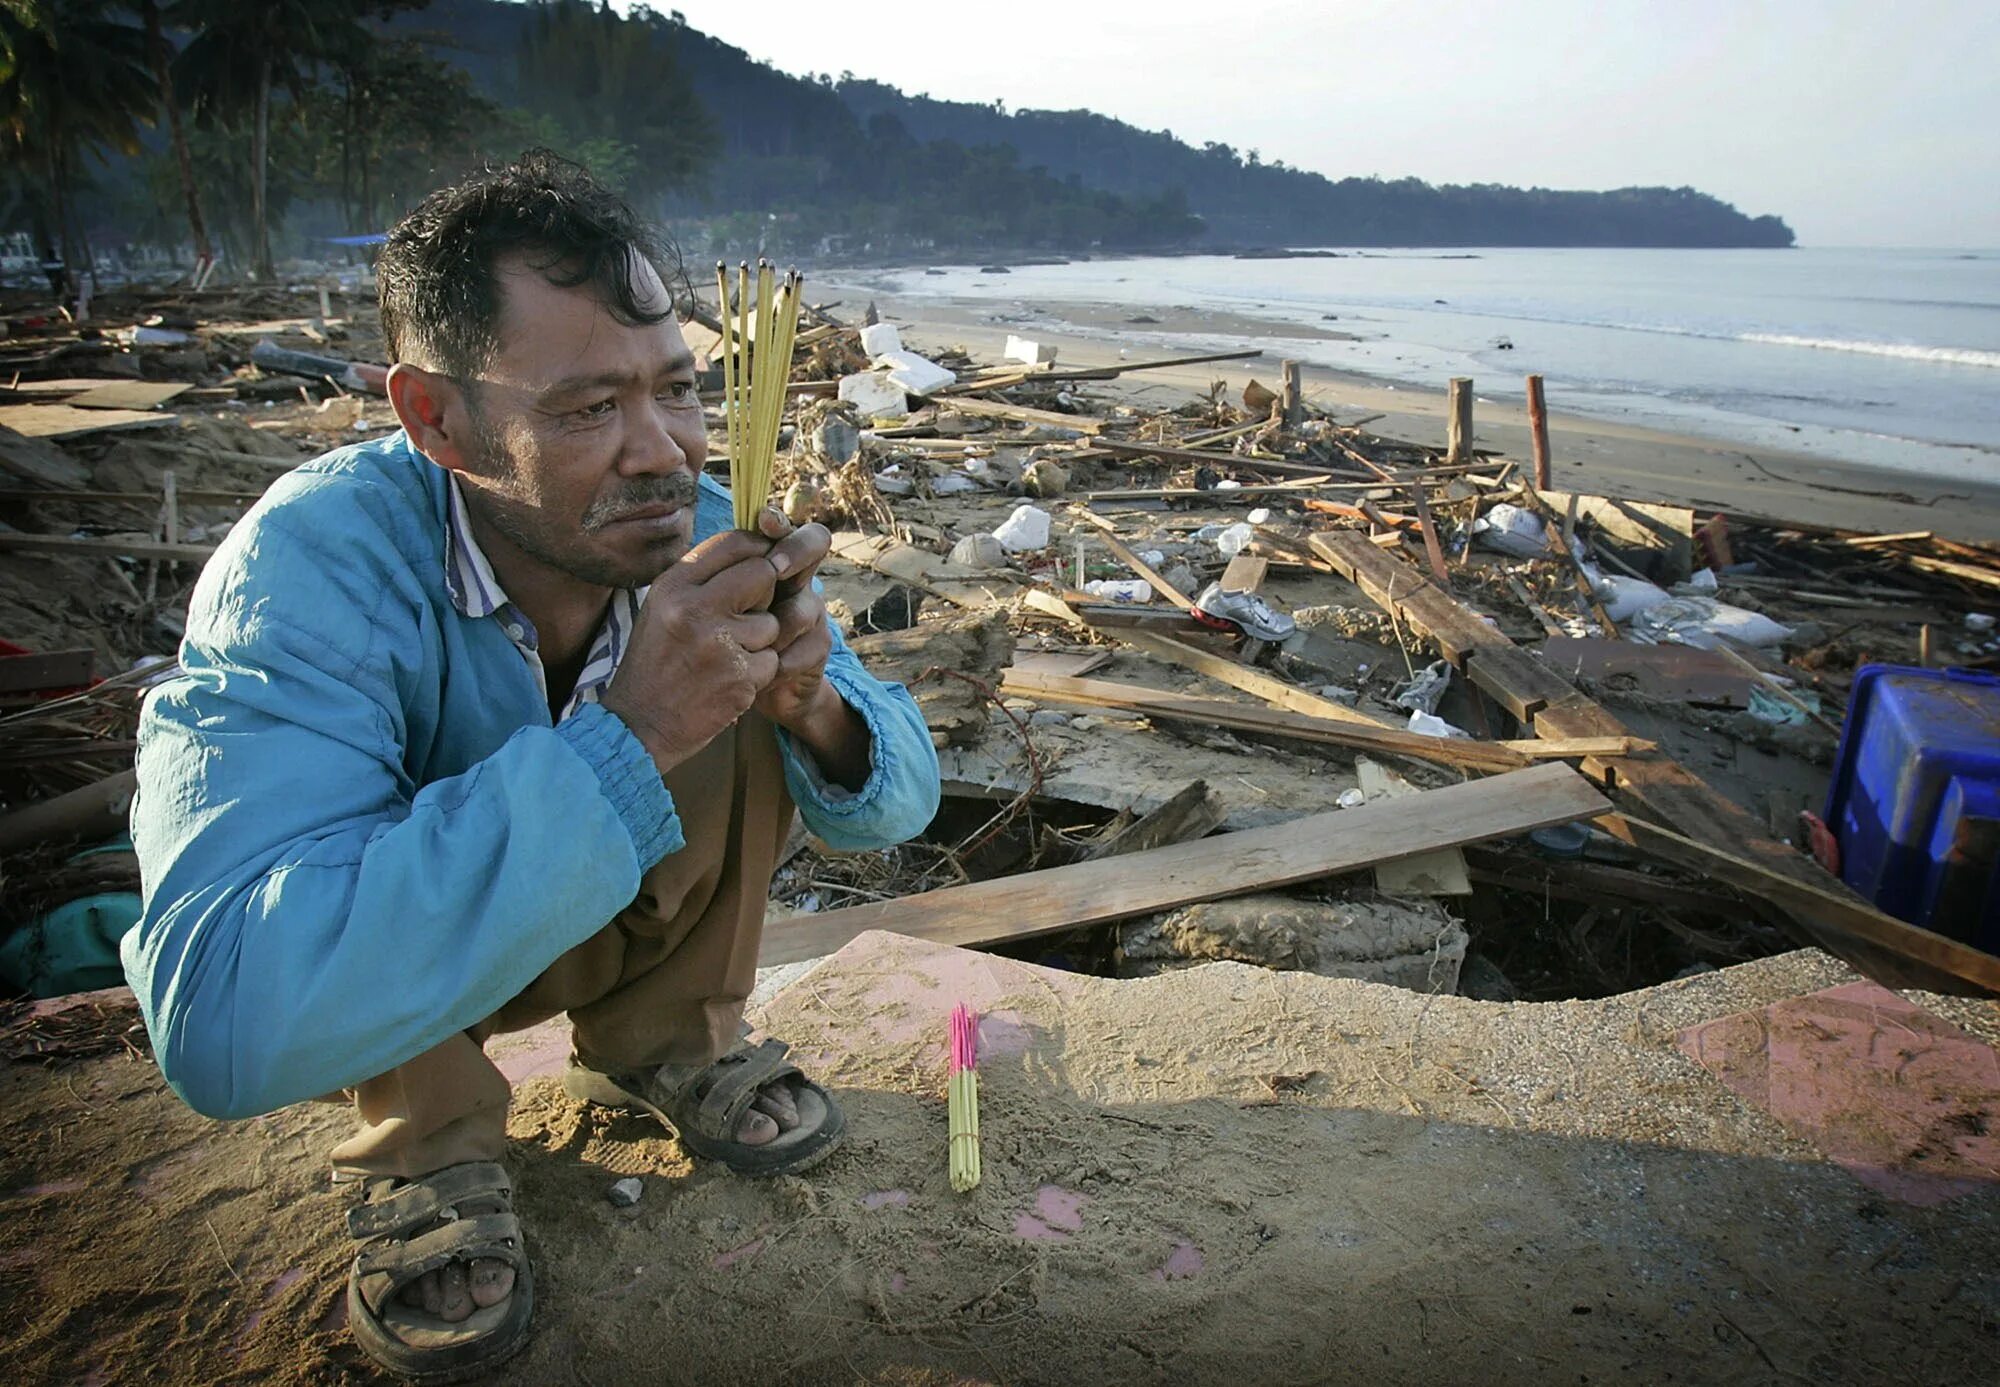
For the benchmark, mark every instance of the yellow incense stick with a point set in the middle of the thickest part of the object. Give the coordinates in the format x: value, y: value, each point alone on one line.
x: 764, y: 327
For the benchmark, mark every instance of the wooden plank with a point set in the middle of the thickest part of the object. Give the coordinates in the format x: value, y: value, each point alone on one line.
x: 106, y: 548
x: 1276, y: 722
x: 1268, y: 687
x: 1660, y: 671
x: 1508, y: 674
x: 1069, y: 664
x: 1246, y: 573
x: 129, y: 394
x: 1167, y: 452
x: 1440, y: 873
x: 1108, y: 535
x: 56, y: 669
x: 1666, y: 789
x: 1022, y: 414
x: 40, y: 461
x: 67, y: 421
x: 1926, y: 959
x: 1087, y: 893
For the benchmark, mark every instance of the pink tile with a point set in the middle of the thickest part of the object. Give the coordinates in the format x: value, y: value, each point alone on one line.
x: 1057, y: 1214
x: 541, y: 1049
x: 1906, y: 1102
x: 1183, y: 1262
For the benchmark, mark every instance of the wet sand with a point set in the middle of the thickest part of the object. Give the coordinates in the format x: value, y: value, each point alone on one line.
x: 1595, y: 456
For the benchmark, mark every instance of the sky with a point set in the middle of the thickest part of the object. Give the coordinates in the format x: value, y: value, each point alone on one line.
x: 1862, y: 124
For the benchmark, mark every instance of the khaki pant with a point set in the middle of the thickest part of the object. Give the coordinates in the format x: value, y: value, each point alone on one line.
x: 664, y: 981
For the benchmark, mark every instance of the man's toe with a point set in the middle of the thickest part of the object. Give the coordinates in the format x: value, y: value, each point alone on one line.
x: 757, y: 1128
x: 457, y: 1298
x: 777, y: 1102
x: 492, y: 1281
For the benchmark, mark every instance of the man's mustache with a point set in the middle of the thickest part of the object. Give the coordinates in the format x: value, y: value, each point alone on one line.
x: 674, y: 489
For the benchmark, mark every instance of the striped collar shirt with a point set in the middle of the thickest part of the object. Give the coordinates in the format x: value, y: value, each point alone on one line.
x: 476, y: 593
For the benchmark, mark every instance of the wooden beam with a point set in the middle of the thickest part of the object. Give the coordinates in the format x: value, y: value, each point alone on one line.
x: 129, y: 548
x: 1168, y: 452
x: 1268, y: 687
x: 1538, y: 430
x: 1292, y: 397
x: 1939, y: 964
x: 1275, y: 722
x: 1458, y: 423
x: 1021, y: 414
x: 1108, y: 534
x: 1797, y: 889
x: 55, y: 669
x: 1088, y: 893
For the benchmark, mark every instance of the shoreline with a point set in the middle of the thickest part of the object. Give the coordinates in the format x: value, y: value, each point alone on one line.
x: 1597, y: 456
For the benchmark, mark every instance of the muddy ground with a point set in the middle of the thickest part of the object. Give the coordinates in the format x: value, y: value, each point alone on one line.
x: 1217, y: 1175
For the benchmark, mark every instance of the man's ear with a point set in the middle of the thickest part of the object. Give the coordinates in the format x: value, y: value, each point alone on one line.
x: 432, y: 410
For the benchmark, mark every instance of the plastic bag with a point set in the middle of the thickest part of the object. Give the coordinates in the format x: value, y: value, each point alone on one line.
x: 1705, y: 623
x: 1511, y: 530
x: 1026, y: 529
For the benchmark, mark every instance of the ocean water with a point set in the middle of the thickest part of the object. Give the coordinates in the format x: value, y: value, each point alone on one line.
x: 1883, y: 357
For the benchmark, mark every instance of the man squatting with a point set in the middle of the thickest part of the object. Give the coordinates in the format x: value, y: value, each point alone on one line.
x: 493, y: 719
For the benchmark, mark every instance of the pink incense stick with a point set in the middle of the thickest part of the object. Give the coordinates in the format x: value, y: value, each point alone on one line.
x: 964, y: 1039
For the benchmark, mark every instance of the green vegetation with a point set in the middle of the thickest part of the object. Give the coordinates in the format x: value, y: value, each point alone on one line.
x: 267, y: 127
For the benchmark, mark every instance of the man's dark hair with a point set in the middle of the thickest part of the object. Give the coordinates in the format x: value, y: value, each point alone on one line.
x: 435, y: 276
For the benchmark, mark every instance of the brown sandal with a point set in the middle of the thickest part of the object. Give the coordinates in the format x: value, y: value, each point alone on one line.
x: 410, y: 1228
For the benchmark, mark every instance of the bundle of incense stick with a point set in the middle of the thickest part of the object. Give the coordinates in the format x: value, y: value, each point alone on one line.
x: 756, y: 365
x: 962, y: 1100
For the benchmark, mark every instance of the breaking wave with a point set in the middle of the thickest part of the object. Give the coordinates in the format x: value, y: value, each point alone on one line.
x: 1951, y: 356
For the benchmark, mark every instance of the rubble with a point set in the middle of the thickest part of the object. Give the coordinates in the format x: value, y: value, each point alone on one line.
x: 1006, y: 528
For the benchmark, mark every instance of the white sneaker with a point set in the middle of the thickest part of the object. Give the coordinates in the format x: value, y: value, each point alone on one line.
x: 1244, y: 611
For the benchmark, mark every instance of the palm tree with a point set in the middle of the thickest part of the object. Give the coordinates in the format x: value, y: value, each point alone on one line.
x: 239, y: 53
x: 161, y: 53
x: 73, y: 80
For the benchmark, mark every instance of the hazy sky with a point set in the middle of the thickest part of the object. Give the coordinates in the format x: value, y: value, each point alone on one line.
x: 1862, y: 122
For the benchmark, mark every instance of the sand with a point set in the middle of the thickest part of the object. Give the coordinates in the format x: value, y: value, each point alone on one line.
x: 1589, y: 455
x: 1216, y: 1176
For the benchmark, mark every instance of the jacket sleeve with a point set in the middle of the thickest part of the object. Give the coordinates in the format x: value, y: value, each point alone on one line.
x: 311, y: 917
x: 900, y: 796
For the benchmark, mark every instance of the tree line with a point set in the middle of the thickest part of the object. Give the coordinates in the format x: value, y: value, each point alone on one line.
x: 228, y: 125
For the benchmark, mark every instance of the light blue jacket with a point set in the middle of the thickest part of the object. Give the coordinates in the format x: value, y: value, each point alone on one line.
x: 359, y: 832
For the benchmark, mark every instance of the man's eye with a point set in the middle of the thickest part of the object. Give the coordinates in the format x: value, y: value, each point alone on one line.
x: 597, y: 410
x: 678, y: 391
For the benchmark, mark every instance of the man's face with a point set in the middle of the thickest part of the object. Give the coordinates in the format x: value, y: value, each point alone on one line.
x: 589, y: 434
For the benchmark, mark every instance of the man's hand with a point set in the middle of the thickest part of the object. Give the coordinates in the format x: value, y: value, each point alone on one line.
x: 803, y: 642
x: 799, y: 699
x: 703, y: 648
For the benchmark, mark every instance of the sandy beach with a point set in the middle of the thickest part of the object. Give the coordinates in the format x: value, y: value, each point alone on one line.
x: 1590, y: 455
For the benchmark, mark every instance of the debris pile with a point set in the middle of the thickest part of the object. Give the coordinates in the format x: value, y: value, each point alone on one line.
x: 1104, y: 607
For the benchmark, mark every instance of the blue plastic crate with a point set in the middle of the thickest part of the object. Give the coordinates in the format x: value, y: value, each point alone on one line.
x: 1915, y: 800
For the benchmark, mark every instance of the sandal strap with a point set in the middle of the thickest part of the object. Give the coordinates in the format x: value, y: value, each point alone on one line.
x: 422, y: 1202
x: 738, y: 1078
x: 384, y: 1268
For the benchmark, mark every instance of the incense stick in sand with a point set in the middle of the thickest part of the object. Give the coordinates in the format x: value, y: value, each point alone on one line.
x: 756, y: 365
x: 962, y: 1100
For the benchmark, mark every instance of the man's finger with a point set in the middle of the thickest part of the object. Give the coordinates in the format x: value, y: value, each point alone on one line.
x: 773, y: 523
x: 715, y: 554
x: 745, y: 586
x: 798, y: 614
x: 807, y: 654
x: 754, y: 630
x: 762, y: 667
x: 800, y: 551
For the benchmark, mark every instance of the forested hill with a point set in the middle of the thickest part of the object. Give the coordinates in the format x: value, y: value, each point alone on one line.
x: 882, y: 171
x: 1244, y: 200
